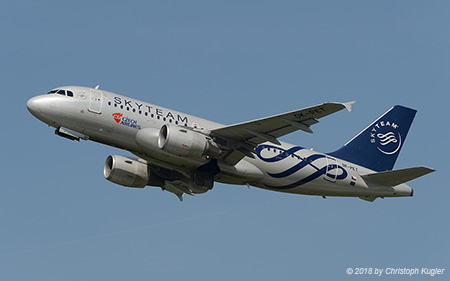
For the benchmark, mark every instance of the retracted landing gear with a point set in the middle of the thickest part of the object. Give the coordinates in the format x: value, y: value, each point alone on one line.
x: 204, y: 175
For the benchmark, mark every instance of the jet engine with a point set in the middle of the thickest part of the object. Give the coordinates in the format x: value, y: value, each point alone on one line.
x: 126, y: 171
x: 185, y: 142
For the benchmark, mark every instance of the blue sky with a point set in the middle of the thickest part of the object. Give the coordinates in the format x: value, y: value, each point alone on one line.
x: 228, y: 61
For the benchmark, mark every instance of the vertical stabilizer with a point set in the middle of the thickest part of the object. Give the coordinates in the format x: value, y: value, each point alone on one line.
x: 377, y: 147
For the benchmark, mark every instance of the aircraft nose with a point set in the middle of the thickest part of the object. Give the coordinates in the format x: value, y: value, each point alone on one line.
x: 33, y: 105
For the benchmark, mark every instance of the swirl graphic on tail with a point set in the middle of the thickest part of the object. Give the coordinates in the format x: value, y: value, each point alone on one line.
x: 386, y: 139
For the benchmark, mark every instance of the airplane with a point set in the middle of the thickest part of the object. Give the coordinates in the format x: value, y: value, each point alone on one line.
x: 184, y: 154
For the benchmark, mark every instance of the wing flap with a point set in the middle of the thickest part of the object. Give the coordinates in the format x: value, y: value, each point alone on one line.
x: 264, y: 136
x: 177, y: 188
x: 304, y: 125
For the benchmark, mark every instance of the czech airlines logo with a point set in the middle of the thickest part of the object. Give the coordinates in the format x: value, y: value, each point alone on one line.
x: 385, y: 136
x: 124, y: 120
x: 117, y: 117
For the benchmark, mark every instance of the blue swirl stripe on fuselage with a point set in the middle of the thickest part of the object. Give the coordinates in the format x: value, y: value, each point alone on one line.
x: 302, y: 164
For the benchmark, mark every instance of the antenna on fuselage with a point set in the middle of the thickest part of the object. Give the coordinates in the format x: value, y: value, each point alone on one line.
x: 96, y: 87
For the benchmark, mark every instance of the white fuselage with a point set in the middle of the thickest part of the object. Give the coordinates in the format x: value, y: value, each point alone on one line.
x: 114, y: 120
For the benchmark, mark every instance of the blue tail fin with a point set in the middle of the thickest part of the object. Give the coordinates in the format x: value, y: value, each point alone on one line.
x: 377, y: 147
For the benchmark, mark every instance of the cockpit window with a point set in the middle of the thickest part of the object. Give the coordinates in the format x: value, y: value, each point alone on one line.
x: 61, y: 92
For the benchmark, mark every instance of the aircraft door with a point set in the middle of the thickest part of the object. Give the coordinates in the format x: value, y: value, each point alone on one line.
x: 95, y: 102
x: 331, y: 170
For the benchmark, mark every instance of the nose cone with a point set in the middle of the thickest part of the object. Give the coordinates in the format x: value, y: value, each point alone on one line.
x: 34, y: 106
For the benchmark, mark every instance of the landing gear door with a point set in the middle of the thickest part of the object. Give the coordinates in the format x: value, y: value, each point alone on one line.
x: 331, y: 170
x: 95, y: 102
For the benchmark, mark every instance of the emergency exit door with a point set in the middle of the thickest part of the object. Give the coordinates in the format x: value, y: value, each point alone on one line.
x: 95, y: 102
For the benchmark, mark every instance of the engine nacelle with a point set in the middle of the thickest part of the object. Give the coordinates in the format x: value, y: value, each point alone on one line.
x: 126, y: 171
x: 147, y: 139
x: 184, y: 142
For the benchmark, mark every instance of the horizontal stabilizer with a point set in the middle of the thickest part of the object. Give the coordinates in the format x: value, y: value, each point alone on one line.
x: 396, y: 177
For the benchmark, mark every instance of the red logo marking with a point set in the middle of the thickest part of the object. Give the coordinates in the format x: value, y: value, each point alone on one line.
x: 117, y: 117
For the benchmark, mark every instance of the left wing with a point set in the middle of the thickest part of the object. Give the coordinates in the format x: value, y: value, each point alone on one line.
x: 242, y: 138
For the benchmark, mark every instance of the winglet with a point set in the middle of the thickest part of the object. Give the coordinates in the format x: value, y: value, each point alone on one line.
x: 349, y: 105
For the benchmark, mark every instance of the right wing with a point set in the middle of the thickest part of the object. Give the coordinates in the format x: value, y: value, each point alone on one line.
x: 240, y: 139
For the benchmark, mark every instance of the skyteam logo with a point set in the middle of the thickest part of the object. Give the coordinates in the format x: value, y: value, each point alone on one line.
x: 385, y: 136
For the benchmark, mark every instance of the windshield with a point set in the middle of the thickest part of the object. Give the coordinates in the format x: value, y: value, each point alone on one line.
x: 61, y: 92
